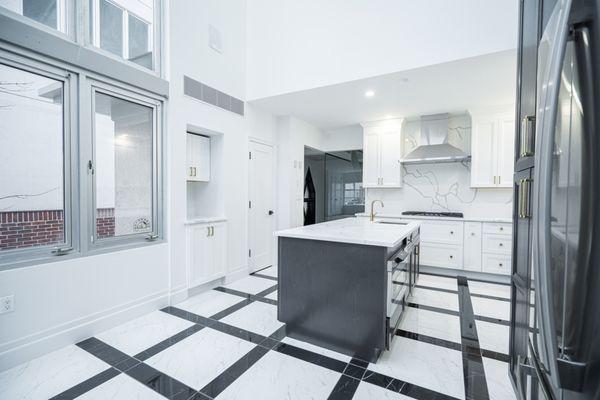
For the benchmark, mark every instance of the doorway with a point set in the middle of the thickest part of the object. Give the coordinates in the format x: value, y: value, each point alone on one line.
x: 261, y: 213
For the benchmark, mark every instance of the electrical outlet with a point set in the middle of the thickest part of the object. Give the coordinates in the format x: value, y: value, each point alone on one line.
x: 7, y: 304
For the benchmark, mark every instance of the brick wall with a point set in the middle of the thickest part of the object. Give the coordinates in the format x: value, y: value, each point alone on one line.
x: 20, y: 229
x: 105, y: 223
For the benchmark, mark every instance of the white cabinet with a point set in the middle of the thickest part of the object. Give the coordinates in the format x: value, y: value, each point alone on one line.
x: 382, y: 148
x: 492, y: 148
x: 496, y: 248
x: 441, y: 244
x: 472, y: 246
x: 198, y: 158
x: 206, y: 252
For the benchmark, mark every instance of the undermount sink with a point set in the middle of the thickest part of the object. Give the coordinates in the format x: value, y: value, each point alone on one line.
x: 391, y: 222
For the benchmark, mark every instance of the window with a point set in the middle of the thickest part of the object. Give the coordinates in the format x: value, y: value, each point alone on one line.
x: 33, y: 210
x: 47, y: 12
x: 124, y: 167
x: 354, y: 194
x: 124, y: 28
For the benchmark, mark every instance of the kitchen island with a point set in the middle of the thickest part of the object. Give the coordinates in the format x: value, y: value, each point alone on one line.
x: 336, y: 282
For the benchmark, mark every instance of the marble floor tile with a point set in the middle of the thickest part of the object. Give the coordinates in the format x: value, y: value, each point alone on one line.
x: 201, y: 357
x: 490, y: 289
x: 209, y: 303
x: 437, y: 282
x: 122, y: 387
x: 256, y: 317
x: 494, y: 337
x: 498, y: 381
x: 272, y: 296
x: 251, y: 284
x: 316, y: 349
x: 491, y: 308
x: 427, y: 365
x: 433, y: 298
x: 277, y: 376
x: 143, y: 332
x: 367, y: 391
x: 49, y: 375
x: 430, y: 323
x: 270, y: 271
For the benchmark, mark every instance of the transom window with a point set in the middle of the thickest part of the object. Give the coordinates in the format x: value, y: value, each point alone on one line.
x: 50, y: 13
x: 124, y: 28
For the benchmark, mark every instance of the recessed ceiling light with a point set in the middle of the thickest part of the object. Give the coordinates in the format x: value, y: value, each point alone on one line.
x: 369, y: 93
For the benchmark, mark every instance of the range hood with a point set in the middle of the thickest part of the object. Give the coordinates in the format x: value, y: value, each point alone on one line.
x: 434, y: 146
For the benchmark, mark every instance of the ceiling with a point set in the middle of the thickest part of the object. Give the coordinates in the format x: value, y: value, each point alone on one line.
x: 452, y: 87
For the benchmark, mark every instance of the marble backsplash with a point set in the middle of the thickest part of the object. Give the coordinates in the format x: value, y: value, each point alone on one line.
x: 443, y: 187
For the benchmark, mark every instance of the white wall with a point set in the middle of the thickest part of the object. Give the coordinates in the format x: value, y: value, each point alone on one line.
x: 297, y: 45
x: 344, y: 138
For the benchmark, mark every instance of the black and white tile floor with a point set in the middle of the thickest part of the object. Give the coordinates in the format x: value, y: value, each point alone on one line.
x: 227, y: 344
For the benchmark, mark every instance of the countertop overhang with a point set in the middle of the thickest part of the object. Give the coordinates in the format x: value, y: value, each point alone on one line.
x: 355, y: 230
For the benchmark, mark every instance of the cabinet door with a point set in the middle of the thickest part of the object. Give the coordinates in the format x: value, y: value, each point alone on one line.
x: 472, y: 246
x: 441, y: 255
x: 219, y: 249
x: 202, y: 158
x: 371, y: 166
x: 200, y: 255
x: 483, y: 152
x: 506, y: 151
x: 189, y: 151
x: 449, y: 232
x: 390, y: 143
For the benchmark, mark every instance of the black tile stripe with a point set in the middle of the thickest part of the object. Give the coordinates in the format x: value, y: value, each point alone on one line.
x: 157, y: 348
x: 429, y: 339
x: 231, y: 310
x: 473, y: 372
x: 161, y: 383
x: 483, y: 296
x: 495, y: 355
x: 254, y: 297
x: 344, y: 389
x: 87, y: 385
x: 451, y: 276
x: 113, y: 357
x: 264, y: 276
x: 227, y: 377
x: 313, y: 358
x: 457, y: 313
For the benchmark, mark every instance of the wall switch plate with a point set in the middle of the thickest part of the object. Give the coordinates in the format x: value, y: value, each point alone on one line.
x: 7, y: 304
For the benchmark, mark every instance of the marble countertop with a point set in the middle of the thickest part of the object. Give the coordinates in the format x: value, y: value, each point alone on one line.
x: 425, y: 218
x: 355, y: 231
x: 204, y: 220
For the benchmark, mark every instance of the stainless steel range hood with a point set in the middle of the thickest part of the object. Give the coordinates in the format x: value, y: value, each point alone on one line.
x: 434, y: 146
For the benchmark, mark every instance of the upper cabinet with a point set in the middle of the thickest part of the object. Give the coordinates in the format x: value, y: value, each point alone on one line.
x: 198, y: 158
x: 492, y: 148
x: 382, y: 149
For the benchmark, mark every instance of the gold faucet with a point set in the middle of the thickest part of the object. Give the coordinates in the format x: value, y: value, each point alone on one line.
x: 372, y: 213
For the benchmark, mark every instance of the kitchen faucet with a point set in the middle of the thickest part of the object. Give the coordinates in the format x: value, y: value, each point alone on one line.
x: 372, y: 213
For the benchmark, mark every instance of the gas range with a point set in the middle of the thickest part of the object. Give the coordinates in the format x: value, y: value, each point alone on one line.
x: 434, y: 214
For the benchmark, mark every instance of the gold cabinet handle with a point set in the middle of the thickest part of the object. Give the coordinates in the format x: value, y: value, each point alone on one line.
x: 208, y: 231
x: 523, y: 206
x: 212, y: 231
x: 527, y: 136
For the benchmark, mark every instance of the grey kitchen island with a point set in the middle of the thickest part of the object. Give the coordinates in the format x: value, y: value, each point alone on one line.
x: 343, y: 284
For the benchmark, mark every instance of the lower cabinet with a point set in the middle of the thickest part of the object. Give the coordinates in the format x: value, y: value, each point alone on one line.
x: 472, y: 246
x: 206, y: 252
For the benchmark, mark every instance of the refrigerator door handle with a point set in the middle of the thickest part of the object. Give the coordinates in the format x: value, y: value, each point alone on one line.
x: 551, y: 53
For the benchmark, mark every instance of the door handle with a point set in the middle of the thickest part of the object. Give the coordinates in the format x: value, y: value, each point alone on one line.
x: 527, y: 136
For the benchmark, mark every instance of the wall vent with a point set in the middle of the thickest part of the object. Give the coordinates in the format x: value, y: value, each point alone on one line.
x: 210, y: 95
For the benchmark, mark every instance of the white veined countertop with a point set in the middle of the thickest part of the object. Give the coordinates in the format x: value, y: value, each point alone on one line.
x: 356, y: 231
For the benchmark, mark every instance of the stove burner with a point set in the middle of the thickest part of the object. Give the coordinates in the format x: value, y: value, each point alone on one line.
x: 434, y: 214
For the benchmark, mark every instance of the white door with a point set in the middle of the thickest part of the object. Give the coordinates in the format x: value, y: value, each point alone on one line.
x: 390, y: 149
x: 200, y: 255
x: 483, y: 157
x: 261, y: 218
x: 371, y: 167
x: 506, y: 151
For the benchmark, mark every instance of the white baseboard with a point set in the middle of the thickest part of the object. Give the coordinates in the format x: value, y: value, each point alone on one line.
x: 178, y: 294
x: 35, y: 345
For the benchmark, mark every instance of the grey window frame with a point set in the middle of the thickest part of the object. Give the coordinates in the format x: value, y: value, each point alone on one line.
x: 70, y: 158
x: 92, y: 34
x: 36, y: 47
x: 97, y: 86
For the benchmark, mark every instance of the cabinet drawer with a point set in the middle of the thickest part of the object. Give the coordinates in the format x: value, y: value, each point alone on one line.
x: 441, y: 255
x: 497, y: 244
x: 496, y: 264
x: 498, y: 228
x: 472, y: 246
x: 442, y: 232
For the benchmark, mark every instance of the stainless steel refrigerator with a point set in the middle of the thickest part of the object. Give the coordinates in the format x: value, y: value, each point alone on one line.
x: 564, y: 334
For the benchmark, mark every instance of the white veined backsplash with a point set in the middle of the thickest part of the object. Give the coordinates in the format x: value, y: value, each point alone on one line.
x: 443, y: 187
